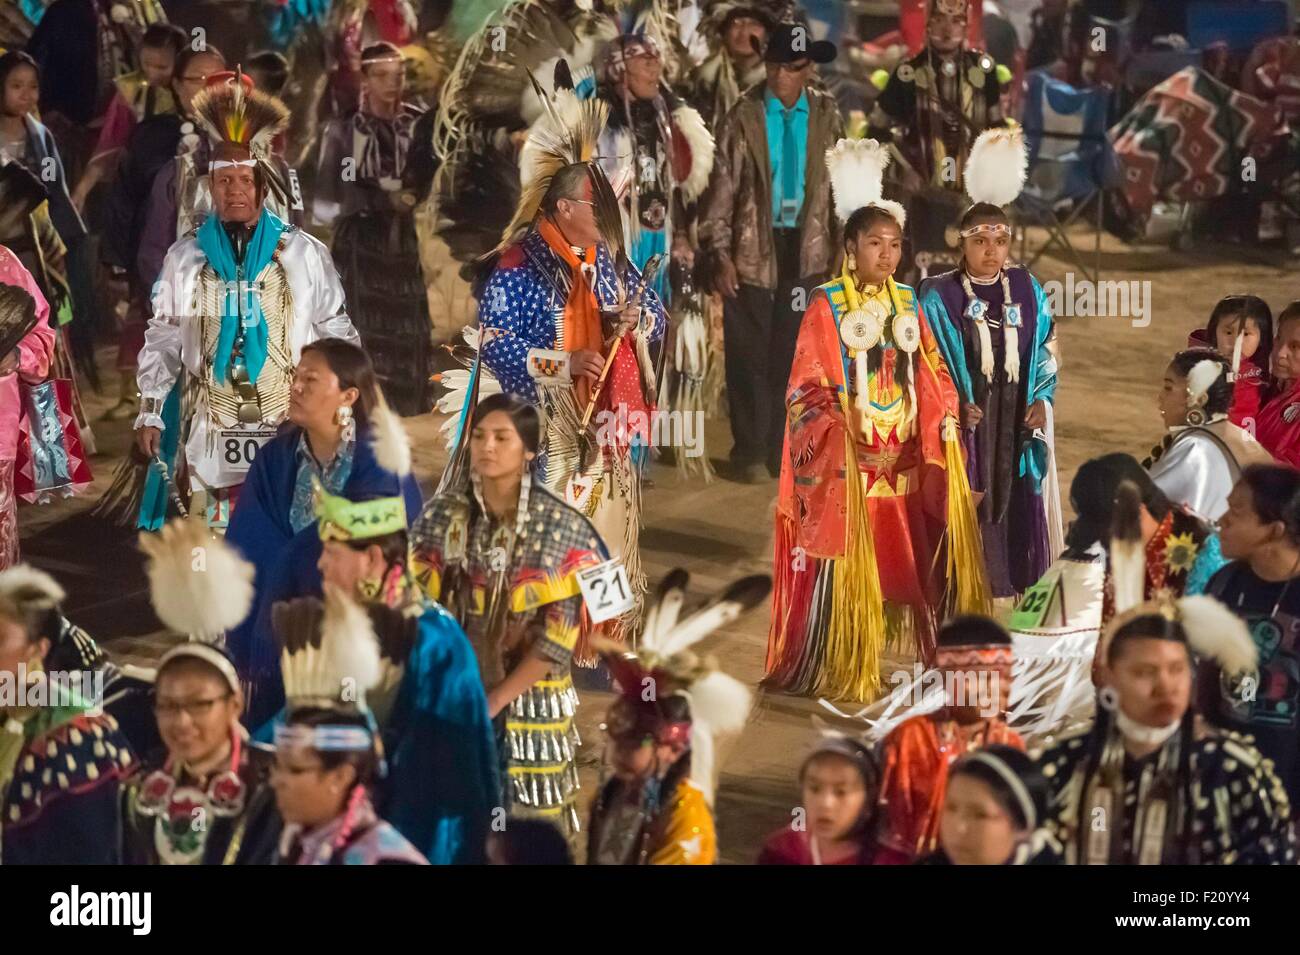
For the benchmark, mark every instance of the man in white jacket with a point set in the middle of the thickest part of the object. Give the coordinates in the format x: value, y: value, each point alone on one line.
x: 235, y: 303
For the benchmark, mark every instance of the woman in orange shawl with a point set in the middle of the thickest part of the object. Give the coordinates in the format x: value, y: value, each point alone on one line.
x: 856, y: 562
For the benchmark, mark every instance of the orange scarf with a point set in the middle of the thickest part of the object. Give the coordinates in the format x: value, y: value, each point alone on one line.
x: 583, y: 329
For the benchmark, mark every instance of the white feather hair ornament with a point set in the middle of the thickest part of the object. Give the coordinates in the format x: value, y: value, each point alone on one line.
x: 1216, y: 632
x: 457, y: 382
x: 390, y: 441
x: 997, y: 167
x: 23, y: 584
x: 1201, y: 379
x: 198, y: 584
x: 857, y: 172
x: 1128, y: 564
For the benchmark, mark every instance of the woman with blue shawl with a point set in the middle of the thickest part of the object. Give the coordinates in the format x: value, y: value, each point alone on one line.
x: 333, y: 406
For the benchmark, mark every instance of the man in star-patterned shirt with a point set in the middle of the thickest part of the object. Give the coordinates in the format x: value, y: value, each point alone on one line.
x: 525, y: 302
x: 1152, y: 783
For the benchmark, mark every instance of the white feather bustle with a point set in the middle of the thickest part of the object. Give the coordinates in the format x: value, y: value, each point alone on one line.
x: 1216, y: 632
x: 857, y: 173
x: 198, y: 584
x: 997, y: 166
x: 346, y: 661
x: 392, y: 445
x: 699, y: 141
x: 26, y: 580
x: 1201, y: 378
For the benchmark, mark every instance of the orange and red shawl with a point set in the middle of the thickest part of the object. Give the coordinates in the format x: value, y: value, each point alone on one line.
x: 915, y: 778
x: 813, y: 510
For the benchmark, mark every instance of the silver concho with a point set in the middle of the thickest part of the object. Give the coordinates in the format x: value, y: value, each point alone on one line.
x: 906, y: 332
x: 861, y: 328
x: 906, y: 73
x: 1290, y: 413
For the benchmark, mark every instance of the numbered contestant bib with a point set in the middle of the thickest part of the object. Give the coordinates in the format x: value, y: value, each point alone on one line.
x: 606, y: 591
x: 1036, y: 606
x: 236, y: 449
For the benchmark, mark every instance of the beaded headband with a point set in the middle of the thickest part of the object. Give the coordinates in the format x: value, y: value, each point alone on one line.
x: 324, y: 738
x: 986, y: 228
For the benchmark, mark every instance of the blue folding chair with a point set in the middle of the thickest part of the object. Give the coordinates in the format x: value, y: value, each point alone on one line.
x: 1071, y: 162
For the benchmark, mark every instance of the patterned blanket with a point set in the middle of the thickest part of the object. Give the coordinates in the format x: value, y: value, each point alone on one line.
x: 1187, y: 139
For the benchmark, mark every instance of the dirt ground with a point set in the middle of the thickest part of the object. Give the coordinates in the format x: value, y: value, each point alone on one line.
x: 1106, y: 401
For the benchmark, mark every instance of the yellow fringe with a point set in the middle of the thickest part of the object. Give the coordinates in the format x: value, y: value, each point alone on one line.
x: 966, y: 570
x: 855, y: 639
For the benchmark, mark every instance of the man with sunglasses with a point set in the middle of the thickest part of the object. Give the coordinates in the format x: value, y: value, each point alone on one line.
x: 766, y: 231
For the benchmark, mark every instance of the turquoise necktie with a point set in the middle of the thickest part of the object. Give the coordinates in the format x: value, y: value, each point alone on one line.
x: 789, y: 172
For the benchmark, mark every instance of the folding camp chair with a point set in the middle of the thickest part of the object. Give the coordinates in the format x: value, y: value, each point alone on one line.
x: 1070, y: 163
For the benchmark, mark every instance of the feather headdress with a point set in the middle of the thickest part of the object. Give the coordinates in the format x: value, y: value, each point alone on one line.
x: 718, y: 703
x: 199, y: 585
x: 857, y: 170
x: 238, y: 120
x: 329, y: 651
x: 1213, y: 631
x: 997, y: 166
x: 1216, y: 632
x: 566, y: 134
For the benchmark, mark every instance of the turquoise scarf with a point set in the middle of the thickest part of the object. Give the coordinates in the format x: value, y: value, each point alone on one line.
x: 215, y: 244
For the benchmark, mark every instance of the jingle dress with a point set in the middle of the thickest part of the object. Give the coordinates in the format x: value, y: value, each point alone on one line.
x: 514, y: 590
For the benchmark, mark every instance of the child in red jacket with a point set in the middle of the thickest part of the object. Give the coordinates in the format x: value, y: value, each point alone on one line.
x: 1241, y: 329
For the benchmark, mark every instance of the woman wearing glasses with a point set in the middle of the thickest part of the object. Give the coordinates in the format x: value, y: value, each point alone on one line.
x: 328, y: 753
x: 205, y: 800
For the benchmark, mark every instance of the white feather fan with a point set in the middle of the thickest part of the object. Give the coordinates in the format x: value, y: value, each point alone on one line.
x: 198, y: 584
x: 997, y: 166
